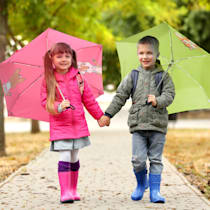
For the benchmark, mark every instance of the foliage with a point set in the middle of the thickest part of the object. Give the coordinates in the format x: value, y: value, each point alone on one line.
x: 105, y: 22
x: 195, y: 21
x: 197, y: 27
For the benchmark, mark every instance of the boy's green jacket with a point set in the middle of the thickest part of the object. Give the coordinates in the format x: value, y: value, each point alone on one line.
x: 141, y: 115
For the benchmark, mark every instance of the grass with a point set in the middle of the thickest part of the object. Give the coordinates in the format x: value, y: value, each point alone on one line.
x: 188, y: 150
x: 20, y: 149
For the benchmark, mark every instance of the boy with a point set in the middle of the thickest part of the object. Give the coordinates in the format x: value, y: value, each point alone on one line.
x: 148, y: 117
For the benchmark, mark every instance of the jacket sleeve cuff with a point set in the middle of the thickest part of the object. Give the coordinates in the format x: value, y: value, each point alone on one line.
x: 60, y: 108
x: 108, y: 115
x: 159, y: 104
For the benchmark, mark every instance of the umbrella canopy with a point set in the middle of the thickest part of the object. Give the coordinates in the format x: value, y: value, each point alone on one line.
x: 188, y: 65
x: 22, y: 73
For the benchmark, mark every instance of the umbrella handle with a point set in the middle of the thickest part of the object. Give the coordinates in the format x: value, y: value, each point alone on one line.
x: 71, y: 106
x: 156, y: 89
x: 60, y: 92
x: 148, y: 103
x: 169, y: 66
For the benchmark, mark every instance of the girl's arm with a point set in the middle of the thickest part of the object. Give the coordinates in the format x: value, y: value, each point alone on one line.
x: 90, y: 103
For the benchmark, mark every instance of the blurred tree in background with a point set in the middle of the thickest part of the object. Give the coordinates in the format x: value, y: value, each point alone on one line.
x: 99, y: 21
x: 106, y: 22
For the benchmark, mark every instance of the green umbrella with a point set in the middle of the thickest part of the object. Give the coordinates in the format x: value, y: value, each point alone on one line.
x: 187, y: 63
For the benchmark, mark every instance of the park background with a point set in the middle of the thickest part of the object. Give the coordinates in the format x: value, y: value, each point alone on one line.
x: 105, y: 22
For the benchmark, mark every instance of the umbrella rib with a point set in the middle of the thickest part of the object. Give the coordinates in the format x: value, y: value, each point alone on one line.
x: 192, y: 57
x: 88, y: 47
x: 188, y: 74
x: 170, y: 63
x: 24, y: 64
x: 18, y: 96
x: 172, y: 55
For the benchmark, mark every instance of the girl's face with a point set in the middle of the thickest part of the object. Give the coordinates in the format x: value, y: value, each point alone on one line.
x: 62, y: 62
x: 147, y: 55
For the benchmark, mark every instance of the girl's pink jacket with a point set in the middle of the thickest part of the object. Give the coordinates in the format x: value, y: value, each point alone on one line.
x: 71, y: 124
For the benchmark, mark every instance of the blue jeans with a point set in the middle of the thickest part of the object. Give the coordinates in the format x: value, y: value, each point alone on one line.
x: 148, y: 144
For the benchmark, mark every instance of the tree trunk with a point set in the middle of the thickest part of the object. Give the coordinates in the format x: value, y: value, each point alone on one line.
x: 3, y: 43
x: 2, y: 134
x: 35, y: 126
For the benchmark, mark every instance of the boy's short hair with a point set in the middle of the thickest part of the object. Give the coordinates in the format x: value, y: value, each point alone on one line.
x: 150, y: 40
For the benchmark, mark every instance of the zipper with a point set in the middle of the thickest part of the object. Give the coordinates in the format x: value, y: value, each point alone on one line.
x: 147, y: 94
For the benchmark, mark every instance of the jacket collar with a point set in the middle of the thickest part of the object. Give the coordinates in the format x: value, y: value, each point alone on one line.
x: 70, y: 74
x: 157, y: 68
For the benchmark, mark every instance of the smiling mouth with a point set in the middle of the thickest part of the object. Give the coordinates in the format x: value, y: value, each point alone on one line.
x: 145, y: 62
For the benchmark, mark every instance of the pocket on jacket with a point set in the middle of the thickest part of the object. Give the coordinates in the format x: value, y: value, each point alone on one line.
x: 159, y: 117
x: 133, y: 116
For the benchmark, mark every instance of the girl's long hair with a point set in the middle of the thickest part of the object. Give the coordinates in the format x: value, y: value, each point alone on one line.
x: 49, y: 71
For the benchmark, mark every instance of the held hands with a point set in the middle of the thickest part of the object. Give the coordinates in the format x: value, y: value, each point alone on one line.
x: 104, y: 121
x: 152, y: 99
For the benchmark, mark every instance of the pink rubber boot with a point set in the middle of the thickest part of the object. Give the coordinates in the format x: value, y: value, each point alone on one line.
x: 64, y: 180
x: 74, y: 181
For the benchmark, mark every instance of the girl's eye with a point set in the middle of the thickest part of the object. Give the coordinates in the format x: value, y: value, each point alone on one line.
x: 58, y: 56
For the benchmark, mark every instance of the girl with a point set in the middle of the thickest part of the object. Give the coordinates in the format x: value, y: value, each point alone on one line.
x: 62, y: 96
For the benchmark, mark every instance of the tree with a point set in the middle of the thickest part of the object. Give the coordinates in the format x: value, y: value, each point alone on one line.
x: 82, y: 19
x: 34, y: 16
x: 196, y: 27
x: 3, y: 43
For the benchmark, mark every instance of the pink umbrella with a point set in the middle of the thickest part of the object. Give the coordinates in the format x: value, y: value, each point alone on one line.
x: 22, y: 73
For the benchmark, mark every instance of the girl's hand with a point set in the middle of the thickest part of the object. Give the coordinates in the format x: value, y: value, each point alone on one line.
x: 104, y: 121
x: 152, y: 99
x: 65, y: 104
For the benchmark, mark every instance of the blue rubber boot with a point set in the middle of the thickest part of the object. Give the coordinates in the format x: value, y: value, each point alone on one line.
x: 141, y: 178
x: 154, y: 184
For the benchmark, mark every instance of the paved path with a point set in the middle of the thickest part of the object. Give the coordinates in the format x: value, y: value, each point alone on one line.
x: 106, y: 181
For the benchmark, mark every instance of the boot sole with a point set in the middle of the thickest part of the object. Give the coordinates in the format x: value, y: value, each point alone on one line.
x: 67, y: 201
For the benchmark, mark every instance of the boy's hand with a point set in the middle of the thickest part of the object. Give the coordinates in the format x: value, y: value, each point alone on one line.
x: 65, y: 104
x: 152, y: 99
x: 104, y: 121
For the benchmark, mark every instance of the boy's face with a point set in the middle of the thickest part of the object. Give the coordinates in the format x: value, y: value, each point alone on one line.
x: 147, y: 55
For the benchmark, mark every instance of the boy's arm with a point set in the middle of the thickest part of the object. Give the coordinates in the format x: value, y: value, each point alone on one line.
x: 122, y: 94
x: 167, y: 94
